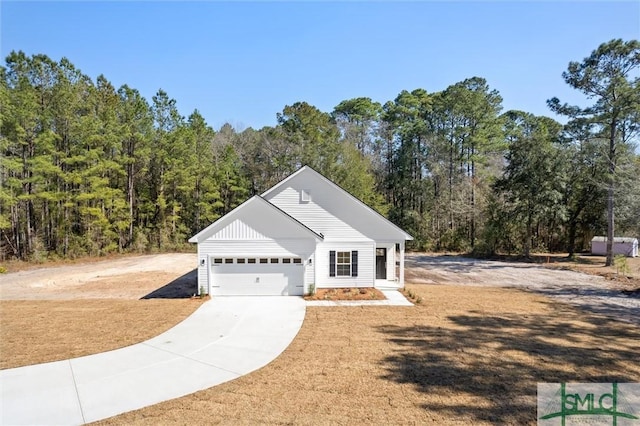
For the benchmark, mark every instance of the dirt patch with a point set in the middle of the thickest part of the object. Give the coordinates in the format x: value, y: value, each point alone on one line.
x: 20, y: 265
x: 368, y: 293
x: 131, y: 277
x: 36, y: 331
x: 591, y: 292
x: 592, y: 264
x: 466, y: 355
x: 626, y: 277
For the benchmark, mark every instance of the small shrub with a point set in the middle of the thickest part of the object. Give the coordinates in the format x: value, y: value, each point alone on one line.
x: 621, y: 264
x: 109, y: 248
x: 3, y: 270
x: 412, y: 296
x: 312, y: 289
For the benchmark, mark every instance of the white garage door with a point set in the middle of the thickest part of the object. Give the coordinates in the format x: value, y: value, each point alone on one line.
x: 257, y: 276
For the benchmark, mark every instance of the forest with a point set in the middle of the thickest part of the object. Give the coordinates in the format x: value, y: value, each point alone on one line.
x: 88, y: 169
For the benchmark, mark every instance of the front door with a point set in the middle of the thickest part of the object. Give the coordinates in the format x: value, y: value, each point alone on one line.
x: 381, y: 263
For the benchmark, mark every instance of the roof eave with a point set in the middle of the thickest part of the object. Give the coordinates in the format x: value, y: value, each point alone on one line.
x: 210, y: 230
x: 320, y: 237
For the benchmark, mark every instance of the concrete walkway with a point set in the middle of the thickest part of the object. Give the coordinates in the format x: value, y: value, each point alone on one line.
x: 225, y: 338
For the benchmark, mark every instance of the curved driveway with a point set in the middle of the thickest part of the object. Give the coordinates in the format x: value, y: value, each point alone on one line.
x: 225, y: 338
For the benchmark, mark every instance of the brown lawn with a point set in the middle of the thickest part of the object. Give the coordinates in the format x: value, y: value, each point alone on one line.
x: 465, y: 355
x: 35, y: 331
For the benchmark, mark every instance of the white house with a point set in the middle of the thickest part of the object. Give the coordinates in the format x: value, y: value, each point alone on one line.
x: 305, y: 232
x: 621, y: 245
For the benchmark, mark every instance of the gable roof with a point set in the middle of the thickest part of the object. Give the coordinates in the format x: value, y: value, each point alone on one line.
x: 256, y: 201
x: 361, y: 205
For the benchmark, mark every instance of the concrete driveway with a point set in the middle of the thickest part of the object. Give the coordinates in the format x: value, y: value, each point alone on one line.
x: 227, y: 337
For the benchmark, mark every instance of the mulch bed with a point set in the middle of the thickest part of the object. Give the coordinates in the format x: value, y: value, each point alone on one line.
x: 365, y: 293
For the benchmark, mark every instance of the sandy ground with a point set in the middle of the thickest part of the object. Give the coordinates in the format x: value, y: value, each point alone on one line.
x: 154, y: 276
x: 591, y: 292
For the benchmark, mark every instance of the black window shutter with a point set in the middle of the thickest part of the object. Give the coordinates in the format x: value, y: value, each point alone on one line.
x: 332, y: 263
x: 354, y: 263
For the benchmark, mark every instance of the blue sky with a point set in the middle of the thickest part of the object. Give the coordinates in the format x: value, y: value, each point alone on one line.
x: 242, y: 62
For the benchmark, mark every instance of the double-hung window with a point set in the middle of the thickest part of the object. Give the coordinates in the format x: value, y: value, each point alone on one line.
x: 343, y: 263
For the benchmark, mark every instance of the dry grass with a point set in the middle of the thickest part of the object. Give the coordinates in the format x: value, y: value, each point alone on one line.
x: 466, y: 355
x: 35, y: 331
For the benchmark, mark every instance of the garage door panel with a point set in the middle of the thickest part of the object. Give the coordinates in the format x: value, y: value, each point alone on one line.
x: 257, y: 279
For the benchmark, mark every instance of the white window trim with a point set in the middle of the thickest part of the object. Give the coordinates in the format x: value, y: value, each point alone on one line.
x: 338, y: 264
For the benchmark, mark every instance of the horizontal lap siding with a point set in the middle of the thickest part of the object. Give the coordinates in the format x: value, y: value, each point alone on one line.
x: 313, y: 215
x: 331, y: 210
x: 203, y: 272
x: 309, y: 273
x: 366, y: 265
x: 264, y: 248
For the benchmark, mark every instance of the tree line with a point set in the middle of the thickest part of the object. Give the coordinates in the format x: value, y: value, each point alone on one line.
x: 88, y: 169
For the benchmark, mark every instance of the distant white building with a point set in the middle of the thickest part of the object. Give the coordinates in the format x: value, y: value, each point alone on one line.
x: 621, y: 245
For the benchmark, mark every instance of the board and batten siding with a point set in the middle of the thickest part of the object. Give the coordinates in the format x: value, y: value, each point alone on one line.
x: 313, y: 215
x: 366, y: 264
x: 238, y: 230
